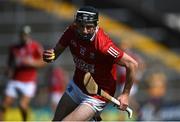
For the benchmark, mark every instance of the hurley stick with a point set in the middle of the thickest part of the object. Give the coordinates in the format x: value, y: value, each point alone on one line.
x: 92, y: 88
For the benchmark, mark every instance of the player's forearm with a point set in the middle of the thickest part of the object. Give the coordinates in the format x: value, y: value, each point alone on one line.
x: 38, y: 63
x: 58, y: 49
x: 130, y: 77
x: 33, y: 62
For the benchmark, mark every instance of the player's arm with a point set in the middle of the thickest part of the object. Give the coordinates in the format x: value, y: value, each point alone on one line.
x: 35, y: 59
x: 29, y: 61
x: 38, y: 62
x: 50, y: 55
x: 131, y: 69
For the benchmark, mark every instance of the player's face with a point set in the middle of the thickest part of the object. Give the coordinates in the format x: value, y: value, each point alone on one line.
x: 24, y: 38
x: 86, y: 30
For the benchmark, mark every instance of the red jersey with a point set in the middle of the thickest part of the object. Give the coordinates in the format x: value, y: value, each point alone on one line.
x: 57, y: 80
x: 97, y: 56
x: 22, y: 72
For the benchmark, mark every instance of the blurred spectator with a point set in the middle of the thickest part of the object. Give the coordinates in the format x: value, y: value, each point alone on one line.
x: 156, y: 90
x: 58, y: 79
x: 24, y: 59
x: 126, y: 46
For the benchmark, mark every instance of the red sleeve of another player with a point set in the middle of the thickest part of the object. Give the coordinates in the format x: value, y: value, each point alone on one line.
x: 108, y: 48
x: 66, y: 37
x: 38, y: 50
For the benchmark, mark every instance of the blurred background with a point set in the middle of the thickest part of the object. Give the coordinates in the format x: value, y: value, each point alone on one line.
x: 149, y: 30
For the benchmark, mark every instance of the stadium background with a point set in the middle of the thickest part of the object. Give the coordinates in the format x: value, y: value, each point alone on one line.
x: 152, y: 26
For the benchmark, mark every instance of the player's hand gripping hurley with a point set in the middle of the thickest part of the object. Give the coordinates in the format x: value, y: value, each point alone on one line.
x: 92, y: 88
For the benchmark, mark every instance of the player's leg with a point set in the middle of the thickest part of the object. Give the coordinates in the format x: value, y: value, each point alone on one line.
x: 8, y: 100
x: 10, y: 94
x: 28, y: 91
x: 24, y: 106
x: 65, y: 106
x: 97, y: 117
x: 82, y: 113
x: 89, y: 109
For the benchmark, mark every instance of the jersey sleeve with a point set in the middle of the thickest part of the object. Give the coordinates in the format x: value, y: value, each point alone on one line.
x: 38, y: 50
x: 108, y: 48
x: 66, y: 37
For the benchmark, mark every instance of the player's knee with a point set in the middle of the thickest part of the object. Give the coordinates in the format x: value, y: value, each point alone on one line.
x: 8, y: 101
x: 23, y: 105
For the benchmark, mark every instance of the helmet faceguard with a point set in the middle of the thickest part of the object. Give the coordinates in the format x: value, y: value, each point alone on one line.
x: 87, y: 15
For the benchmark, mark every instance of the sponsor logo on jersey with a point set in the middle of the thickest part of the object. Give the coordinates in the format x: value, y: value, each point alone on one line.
x: 113, y: 52
x: 82, y: 65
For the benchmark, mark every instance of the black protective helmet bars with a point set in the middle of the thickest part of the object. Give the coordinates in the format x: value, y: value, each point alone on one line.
x: 87, y: 14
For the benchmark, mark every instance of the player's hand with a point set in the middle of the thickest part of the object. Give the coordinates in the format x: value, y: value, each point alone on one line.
x: 49, y: 55
x: 123, y: 99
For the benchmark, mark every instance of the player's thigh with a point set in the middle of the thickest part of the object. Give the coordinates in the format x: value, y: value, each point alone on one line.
x: 82, y: 113
x: 65, y: 106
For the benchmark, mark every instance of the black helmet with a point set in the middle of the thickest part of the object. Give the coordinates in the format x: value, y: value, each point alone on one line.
x: 87, y: 14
